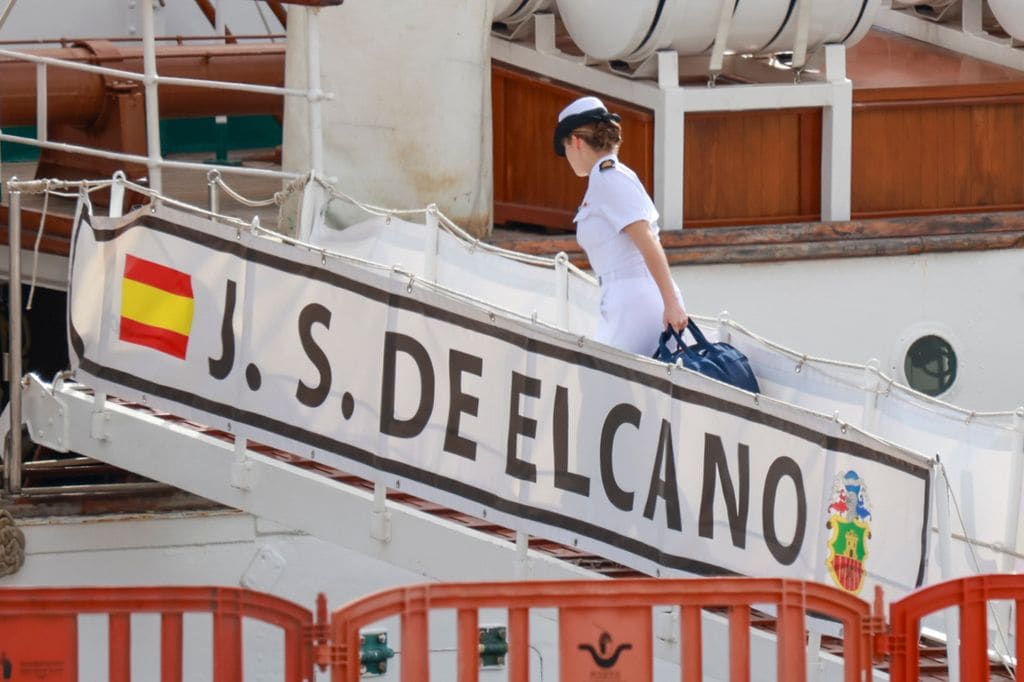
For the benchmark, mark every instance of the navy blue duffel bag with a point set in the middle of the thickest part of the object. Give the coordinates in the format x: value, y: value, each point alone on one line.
x: 717, y: 360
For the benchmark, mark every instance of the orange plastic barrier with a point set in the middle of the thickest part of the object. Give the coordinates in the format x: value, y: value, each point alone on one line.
x: 605, y: 626
x: 39, y: 629
x: 971, y: 595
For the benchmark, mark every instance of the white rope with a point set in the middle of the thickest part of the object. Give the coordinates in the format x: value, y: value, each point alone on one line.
x: 35, y: 249
x: 277, y: 199
x: 381, y: 211
x: 904, y: 393
x: 472, y: 243
x: 977, y: 570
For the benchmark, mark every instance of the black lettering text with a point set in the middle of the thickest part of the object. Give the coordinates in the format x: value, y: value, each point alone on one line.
x: 784, y: 466
x: 461, y: 403
x: 520, y: 425
x: 717, y: 468
x: 623, y: 413
x: 390, y: 425
x: 565, y: 479
x: 666, y: 488
x: 221, y: 367
x: 314, y: 313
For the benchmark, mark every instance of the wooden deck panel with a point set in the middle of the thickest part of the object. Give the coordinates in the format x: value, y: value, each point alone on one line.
x: 933, y: 132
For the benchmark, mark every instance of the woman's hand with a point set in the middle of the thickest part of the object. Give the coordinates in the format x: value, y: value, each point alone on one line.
x: 675, y: 316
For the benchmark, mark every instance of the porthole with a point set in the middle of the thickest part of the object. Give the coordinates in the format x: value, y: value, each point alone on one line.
x: 930, y: 365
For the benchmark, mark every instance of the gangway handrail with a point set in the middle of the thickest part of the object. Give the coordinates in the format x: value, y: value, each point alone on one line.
x: 154, y: 160
x: 164, y: 80
x: 42, y: 62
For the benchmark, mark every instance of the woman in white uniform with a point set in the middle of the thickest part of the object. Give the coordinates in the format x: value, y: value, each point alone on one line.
x: 617, y: 226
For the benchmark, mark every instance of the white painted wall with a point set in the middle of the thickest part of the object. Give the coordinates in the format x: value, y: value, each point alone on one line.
x: 861, y: 308
x: 410, y: 123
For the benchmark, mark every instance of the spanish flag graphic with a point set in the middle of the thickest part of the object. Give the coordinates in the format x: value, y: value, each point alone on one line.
x: 156, y: 306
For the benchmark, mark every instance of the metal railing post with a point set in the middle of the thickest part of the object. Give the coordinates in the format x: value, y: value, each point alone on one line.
x: 431, y: 254
x: 872, y: 381
x: 562, y: 290
x: 42, y: 111
x: 213, y: 190
x: 836, y: 138
x: 316, y: 152
x: 14, y: 357
x: 152, y: 98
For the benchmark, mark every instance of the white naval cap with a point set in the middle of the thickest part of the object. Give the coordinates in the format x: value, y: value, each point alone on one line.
x: 580, y: 112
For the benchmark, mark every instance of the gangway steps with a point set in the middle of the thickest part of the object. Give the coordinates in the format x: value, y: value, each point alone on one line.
x: 52, y: 469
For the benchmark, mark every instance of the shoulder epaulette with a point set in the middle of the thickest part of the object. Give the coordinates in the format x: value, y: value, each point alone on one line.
x: 606, y: 164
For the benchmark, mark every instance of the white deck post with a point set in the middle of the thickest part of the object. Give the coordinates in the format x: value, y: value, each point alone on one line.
x: 869, y: 418
x: 380, y: 517
x: 13, y: 461
x: 669, y: 120
x: 836, y: 138
x: 562, y: 290
x: 430, y: 248
x: 315, y: 93
x: 523, y: 570
x: 117, y: 195
x: 152, y: 99
x: 42, y: 113
x: 213, y: 191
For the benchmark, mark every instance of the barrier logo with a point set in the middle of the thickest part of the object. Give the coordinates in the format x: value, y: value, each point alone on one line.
x: 849, y: 514
x: 602, y: 656
x: 157, y: 306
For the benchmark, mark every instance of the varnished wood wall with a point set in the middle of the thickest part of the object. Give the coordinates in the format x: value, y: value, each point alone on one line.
x: 752, y: 167
x: 946, y: 151
x: 531, y: 183
x: 916, y: 151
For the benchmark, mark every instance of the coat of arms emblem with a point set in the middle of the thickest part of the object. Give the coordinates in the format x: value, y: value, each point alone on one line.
x: 849, y: 514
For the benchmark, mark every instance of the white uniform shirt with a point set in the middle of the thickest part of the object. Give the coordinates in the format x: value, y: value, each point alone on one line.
x: 632, y: 308
x: 615, y: 198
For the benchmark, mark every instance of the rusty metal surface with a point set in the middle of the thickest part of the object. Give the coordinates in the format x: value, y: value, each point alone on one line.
x: 78, y: 98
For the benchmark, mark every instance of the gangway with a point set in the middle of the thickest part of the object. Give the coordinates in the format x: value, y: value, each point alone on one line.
x: 400, y: 528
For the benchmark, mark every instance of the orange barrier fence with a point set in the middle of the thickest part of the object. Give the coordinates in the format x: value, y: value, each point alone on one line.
x: 605, y: 627
x: 39, y: 629
x: 971, y: 595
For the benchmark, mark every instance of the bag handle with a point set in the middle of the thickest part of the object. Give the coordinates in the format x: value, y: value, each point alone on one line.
x: 698, y: 335
x: 663, y: 353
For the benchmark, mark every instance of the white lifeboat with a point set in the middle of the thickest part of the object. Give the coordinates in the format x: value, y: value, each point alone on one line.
x: 516, y: 11
x: 1010, y: 15
x: 631, y: 32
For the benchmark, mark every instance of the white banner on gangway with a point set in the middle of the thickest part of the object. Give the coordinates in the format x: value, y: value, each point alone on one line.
x: 374, y: 372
